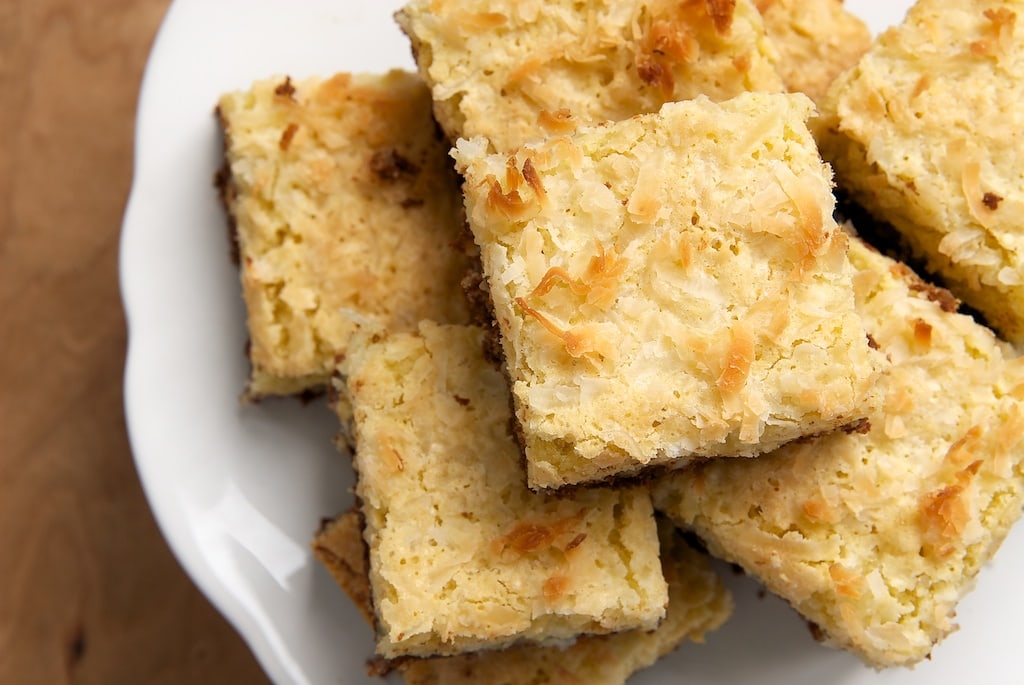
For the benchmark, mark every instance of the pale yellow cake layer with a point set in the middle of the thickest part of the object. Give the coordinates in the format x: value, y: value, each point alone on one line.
x: 462, y: 555
x: 698, y: 604
x: 875, y: 536
x: 816, y: 40
x: 926, y: 134
x: 345, y: 207
x: 669, y: 287
x: 518, y: 70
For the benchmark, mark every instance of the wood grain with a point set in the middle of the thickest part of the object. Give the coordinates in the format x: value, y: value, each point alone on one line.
x: 89, y: 592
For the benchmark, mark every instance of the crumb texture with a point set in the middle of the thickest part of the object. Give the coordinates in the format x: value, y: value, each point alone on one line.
x: 669, y: 287
x: 515, y: 70
x: 876, y: 535
x: 926, y: 133
x: 345, y: 205
x: 462, y: 555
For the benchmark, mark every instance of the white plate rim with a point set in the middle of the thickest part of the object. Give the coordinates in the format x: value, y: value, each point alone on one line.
x: 144, y: 409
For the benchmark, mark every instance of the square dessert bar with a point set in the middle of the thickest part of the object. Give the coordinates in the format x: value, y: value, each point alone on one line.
x: 669, y: 288
x: 875, y: 536
x: 698, y: 604
x: 463, y: 556
x: 518, y: 70
x: 926, y: 134
x: 816, y: 41
x: 345, y: 207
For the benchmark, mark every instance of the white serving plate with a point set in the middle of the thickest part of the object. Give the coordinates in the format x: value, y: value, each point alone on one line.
x: 238, y: 491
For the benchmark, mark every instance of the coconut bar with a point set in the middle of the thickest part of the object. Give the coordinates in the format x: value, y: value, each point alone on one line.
x: 669, y: 288
x: 875, y: 536
x: 345, y: 208
x: 925, y: 133
x: 462, y: 555
x: 698, y: 604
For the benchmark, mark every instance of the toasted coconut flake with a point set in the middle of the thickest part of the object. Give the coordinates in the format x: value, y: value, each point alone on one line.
x: 508, y: 201
x: 643, y: 203
x: 922, y: 336
x: 598, y: 284
x: 653, y: 72
x: 602, y: 276
x: 559, y: 122
x: 557, y: 274
x: 983, y: 47
x: 970, y: 182
x: 393, y: 457
x: 847, y: 583
x: 810, y: 235
x: 482, y: 22
x: 962, y: 451
x: 817, y: 509
x: 667, y: 42
x: 1003, y: 20
x: 543, y: 320
x: 575, y: 542
x: 532, y: 179
x: 721, y: 13
x: 523, y: 71
x: 943, y: 516
x: 513, y: 176
x: 533, y: 537
x: 921, y: 86
x: 738, y: 358
x: 286, y: 137
x: 587, y: 341
x: 526, y: 537
x: 899, y: 400
x: 671, y: 40
x: 769, y: 316
x: 945, y: 513
x: 555, y: 587
x: 561, y: 147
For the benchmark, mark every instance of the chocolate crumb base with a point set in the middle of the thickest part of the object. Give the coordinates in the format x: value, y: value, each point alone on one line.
x: 226, y: 190
x: 481, y: 309
x: 691, y: 538
x: 878, y: 234
x: 478, y: 296
x: 816, y: 632
x: 379, y: 667
x: 305, y: 397
x: 310, y: 395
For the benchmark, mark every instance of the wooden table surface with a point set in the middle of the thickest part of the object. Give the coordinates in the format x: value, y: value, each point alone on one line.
x: 89, y: 592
